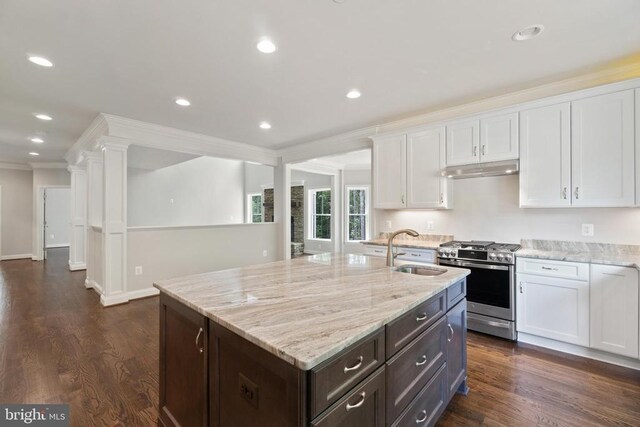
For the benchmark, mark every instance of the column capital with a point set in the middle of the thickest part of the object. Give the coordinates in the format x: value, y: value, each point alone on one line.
x: 77, y: 168
x: 92, y: 156
x: 113, y: 143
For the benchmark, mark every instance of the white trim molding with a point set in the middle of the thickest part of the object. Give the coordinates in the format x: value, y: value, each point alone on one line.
x: 77, y: 267
x: 16, y: 166
x: 48, y: 165
x: 18, y: 256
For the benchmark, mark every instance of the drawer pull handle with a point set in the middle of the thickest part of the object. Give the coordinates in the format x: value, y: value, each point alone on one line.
x: 421, y: 317
x: 549, y: 268
x: 422, y: 360
x: 356, y: 405
x: 354, y: 367
x: 416, y: 255
x: 451, y: 330
x: 200, y: 349
x: 422, y: 418
x: 378, y: 251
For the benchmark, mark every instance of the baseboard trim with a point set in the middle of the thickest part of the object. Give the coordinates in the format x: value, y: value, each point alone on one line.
x: 12, y: 257
x: 110, y: 300
x: 60, y: 245
x: 77, y: 266
x: 143, y: 293
x: 577, y: 350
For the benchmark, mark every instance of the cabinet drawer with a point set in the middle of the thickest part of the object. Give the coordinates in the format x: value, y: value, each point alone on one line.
x: 404, y: 329
x: 456, y: 293
x: 413, y: 366
x: 560, y: 269
x: 428, y: 404
x: 329, y: 381
x: 363, y: 407
x: 417, y: 255
x: 375, y: 250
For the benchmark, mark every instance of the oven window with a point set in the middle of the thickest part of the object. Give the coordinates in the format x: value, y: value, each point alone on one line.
x: 490, y: 287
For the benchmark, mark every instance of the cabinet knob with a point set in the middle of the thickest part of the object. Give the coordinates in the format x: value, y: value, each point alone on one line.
x: 577, y: 193
x: 442, y: 198
x: 402, y: 199
x: 475, y: 151
x: 564, y: 193
x: 484, y: 149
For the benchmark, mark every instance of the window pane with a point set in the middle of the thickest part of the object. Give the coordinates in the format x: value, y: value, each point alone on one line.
x: 256, y: 218
x: 256, y: 205
x: 357, y: 201
x: 323, y: 202
x: 357, y: 227
x: 323, y: 227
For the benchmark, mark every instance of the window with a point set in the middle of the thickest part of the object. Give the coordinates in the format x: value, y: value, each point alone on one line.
x: 357, y: 213
x: 320, y: 209
x: 254, y: 207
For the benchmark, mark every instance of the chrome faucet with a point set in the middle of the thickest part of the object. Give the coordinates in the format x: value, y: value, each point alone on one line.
x: 390, y: 255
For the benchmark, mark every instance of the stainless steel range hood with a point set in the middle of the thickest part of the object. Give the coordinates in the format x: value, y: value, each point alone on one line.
x: 478, y: 170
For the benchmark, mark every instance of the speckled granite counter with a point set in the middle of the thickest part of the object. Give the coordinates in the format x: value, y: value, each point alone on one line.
x: 596, y: 253
x: 423, y: 241
x: 307, y: 309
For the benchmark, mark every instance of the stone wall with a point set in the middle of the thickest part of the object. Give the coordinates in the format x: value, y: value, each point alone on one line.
x: 297, y: 213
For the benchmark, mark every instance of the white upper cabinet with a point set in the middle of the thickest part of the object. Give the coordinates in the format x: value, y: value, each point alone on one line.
x: 390, y: 172
x: 545, y: 156
x: 637, y: 147
x: 426, y: 188
x: 463, y: 143
x: 614, y: 309
x: 499, y: 138
x: 603, y: 153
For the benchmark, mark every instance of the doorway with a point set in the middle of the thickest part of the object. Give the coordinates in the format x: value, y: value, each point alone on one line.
x: 53, y: 219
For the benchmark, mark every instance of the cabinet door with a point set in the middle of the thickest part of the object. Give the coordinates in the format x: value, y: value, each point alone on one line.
x: 499, y: 138
x: 457, y: 346
x: 614, y: 309
x: 463, y: 140
x: 390, y: 172
x: 553, y: 308
x: 183, y: 365
x: 545, y: 157
x: 637, y: 147
x: 602, y: 147
x: 426, y: 188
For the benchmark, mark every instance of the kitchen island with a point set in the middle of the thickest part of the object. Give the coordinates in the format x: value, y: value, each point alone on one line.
x: 326, y: 340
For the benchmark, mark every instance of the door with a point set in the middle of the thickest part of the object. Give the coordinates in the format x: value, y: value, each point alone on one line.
x: 426, y: 188
x: 456, y: 346
x: 183, y: 365
x: 463, y: 140
x: 614, y: 309
x: 603, y: 153
x: 390, y: 172
x: 553, y: 308
x: 44, y: 225
x: 545, y: 157
x: 499, y: 138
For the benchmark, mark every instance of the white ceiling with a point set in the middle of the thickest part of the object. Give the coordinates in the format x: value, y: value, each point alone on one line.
x: 360, y: 159
x: 132, y: 58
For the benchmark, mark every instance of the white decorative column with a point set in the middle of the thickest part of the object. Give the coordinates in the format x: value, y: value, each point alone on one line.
x: 77, y: 230
x: 282, y: 207
x: 94, y: 220
x: 114, y: 220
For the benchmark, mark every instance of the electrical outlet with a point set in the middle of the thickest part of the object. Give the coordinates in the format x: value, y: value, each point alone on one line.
x: 138, y: 270
x: 587, y: 230
x: 265, y: 252
x: 171, y: 201
x: 387, y: 224
x: 430, y: 225
x: 52, y: 237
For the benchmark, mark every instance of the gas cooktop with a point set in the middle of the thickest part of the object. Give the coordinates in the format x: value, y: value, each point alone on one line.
x: 479, y: 250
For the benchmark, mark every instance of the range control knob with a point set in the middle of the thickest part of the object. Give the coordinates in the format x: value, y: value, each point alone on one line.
x: 492, y: 256
x: 500, y: 257
x: 508, y: 258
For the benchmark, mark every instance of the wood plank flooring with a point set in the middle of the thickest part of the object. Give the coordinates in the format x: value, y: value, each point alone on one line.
x: 58, y: 344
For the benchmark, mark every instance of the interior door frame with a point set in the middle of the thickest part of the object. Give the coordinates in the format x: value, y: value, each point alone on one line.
x: 39, y: 237
x: 0, y: 222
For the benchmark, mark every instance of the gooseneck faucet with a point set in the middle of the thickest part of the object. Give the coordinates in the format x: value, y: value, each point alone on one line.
x: 390, y: 255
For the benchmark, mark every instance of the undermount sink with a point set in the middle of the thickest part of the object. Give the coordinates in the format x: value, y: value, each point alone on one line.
x: 421, y: 270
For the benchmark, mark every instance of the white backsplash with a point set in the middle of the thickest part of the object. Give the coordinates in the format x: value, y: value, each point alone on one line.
x: 487, y: 209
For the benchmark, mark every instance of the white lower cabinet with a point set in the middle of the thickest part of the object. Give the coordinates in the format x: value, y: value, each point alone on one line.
x: 614, y: 309
x: 553, y: 308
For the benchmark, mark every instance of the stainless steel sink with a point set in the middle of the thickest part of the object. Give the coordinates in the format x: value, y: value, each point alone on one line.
x: 421, y: 270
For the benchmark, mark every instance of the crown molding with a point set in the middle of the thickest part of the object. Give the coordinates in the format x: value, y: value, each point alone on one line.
x: 48, y: 165
x: 343, y: 143
x: 88, y: 141
x: 15, y: 166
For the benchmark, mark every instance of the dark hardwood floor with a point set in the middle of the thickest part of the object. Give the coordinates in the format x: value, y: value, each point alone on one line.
x: 58, y: 344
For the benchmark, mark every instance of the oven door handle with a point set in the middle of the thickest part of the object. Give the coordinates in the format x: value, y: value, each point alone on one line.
x: 473, y: 264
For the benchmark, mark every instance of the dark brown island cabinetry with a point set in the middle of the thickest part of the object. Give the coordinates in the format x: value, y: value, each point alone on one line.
x: 403, y: 374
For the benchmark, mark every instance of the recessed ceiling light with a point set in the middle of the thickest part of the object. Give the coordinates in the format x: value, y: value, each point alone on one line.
x: 41, y: 61
x: 266, y: 46
x: 508, y: 171
x: 527, y: 33
x: 43, y: 117
x: 33, y: 153
x: 265, y: 125
x: 37, y: 140
x: 183, y: 102
x: 353, y: 94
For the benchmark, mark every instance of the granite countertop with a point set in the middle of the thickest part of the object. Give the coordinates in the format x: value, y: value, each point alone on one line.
x: 595, y: 253
x: 423, y: 241
x: 307, y: 309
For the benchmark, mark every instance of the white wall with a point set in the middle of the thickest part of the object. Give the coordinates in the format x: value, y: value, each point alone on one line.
x: 57, y: 216
x: 16, y: 215
x: 257, y: 177
x: 204, y: 191
x: 43, y: 178
x: 487, y: 208
x: 354, y: 178
x: 173, y: 252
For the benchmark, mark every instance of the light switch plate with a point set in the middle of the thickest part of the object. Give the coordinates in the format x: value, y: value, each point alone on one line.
x: 587, y: 230
x: 387, y: 224
x: 430, y: 225
x: 139, y: 270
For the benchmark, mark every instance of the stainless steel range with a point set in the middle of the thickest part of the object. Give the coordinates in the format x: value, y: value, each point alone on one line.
x: 491, y: 290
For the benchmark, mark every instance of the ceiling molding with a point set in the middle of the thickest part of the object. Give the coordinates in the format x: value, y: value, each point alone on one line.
x: 88, y: 141
x: 48, y: 165
x: 316, y: 167
x: 15, y: 166
x: 343, y: 143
